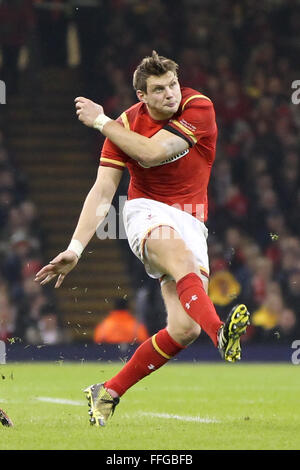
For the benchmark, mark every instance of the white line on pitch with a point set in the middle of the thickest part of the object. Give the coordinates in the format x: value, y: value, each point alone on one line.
x: 195, y: 419
x: 60, y: 401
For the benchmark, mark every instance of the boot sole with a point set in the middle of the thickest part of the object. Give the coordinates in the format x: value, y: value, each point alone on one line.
x: 94, y: 421
x: 239, y: 321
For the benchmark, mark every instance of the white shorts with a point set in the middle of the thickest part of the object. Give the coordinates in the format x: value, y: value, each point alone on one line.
x: 141, y: 216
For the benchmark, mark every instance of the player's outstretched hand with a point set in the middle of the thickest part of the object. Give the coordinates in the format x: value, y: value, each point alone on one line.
x: 59, y: 267
x: 87, y: 110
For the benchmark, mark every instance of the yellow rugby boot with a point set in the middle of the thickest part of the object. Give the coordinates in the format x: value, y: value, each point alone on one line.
x: 101, y: 404
x: 230, y: 333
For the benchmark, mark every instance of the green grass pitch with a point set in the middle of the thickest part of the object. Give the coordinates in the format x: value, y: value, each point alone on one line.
x: 184, y: 406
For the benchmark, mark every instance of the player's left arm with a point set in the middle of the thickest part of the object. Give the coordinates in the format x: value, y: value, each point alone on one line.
x: 148, y: 151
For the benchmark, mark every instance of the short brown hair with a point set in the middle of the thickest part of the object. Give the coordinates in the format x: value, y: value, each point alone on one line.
x: 152, y: 65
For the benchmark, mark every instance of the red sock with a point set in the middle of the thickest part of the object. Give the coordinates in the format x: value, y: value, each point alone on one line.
x: 150, y: 356
x: 198, y: 305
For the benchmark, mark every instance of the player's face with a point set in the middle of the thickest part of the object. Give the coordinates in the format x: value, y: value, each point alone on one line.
x: 163, y: 95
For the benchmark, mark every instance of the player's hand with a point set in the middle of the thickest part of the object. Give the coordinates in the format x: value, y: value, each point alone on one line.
x: 59, y: 267
x: 87, y: 110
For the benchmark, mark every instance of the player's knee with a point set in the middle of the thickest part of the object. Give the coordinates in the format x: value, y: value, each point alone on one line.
x: 183, y: 262
x: 187, y: 261
x: 174, y: 257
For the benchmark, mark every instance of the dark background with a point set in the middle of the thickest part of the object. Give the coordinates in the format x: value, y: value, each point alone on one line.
x: 244, y: 56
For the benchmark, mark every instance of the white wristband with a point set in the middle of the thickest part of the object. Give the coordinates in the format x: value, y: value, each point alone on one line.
x: 76, y: 247
x: 100, y: 121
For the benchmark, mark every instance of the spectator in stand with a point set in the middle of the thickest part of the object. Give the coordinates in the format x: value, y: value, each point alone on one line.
x: 274, y: 317
x: 234, y: 104
x: 120, y: 326
x: 261, y: 278
x: 16, y: 22
x: 48, y: 326
x: 289, y: 258
x: 288, y: 325
x: 94, y: 14
x: 292, y: 293
x: 20, y: 243
x: 52, y: 25
x: 224, y: 291
x: 237, y: 204
x: 8, y: 313
x: 193, y: 73
x: 269, y: 311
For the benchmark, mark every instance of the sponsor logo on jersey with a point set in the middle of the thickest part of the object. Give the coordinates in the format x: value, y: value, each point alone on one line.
x: 169, y: 160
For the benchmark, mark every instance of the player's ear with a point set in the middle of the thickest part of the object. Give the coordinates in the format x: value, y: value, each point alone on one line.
x: 141, y: 96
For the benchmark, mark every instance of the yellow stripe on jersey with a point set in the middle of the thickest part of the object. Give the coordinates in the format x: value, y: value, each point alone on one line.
x: 193, y: 97
x: 125, y: 121
x: 185, y: 130
x: 110, y: 160
x: 157, y: 348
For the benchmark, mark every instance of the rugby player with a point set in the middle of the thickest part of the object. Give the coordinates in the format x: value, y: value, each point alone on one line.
x: 167, y: 141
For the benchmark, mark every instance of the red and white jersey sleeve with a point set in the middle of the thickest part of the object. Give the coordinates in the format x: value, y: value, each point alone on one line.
x: 196, y: 121
x: 111, y: 155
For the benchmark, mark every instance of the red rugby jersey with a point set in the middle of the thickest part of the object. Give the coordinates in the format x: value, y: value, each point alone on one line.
x: 180, y: 181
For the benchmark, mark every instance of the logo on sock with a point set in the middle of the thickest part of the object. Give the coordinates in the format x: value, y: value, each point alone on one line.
x: 188, y: 304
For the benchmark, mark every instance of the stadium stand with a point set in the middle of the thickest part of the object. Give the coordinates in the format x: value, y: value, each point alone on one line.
x: 22, y: 301
x: 243, y: 55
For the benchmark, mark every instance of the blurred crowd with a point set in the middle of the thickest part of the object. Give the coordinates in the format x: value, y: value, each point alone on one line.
x: 27, y: 310
x: 244, y: 56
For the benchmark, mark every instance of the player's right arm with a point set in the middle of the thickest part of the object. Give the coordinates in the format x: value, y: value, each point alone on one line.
x: 195, y: 122
x: 94, y: 210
